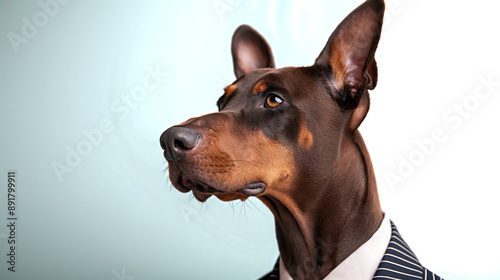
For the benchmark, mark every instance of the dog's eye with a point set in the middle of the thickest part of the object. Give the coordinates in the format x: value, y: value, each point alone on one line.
x: 273, y: 101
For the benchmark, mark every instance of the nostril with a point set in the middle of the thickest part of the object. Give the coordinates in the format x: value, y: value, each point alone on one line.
x: 180, y: 145
x: 176, y: 140
x: 184, y: 138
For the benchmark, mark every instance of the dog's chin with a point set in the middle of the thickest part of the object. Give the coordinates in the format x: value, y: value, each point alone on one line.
x: 253, y: 189
x: 231, y: 196
x: 201, y: 191
x: 223, y: 196
x: 200, y: 196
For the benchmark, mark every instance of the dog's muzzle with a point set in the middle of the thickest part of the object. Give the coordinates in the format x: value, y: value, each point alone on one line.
x: 183, y: 148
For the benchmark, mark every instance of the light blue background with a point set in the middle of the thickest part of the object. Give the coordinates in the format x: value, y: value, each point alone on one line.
x: 116, y: 216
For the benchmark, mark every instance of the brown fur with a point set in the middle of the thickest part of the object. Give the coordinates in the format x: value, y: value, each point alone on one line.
x: 305, y: 154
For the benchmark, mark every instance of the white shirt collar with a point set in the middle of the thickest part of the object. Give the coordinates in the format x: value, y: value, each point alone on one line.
x: 363, y: 263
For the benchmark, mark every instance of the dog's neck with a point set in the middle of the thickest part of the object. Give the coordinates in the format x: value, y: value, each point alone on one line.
x: 321, y: 224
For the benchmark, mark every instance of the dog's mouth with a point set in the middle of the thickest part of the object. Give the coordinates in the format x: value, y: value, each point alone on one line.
x: 202, y: 190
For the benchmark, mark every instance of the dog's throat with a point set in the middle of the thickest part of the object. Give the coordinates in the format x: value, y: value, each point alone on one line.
x: 318, y: 226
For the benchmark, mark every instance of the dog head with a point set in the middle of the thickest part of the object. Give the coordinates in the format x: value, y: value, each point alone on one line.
x: 277, y: 127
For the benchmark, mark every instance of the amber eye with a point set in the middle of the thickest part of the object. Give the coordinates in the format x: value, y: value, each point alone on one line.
x: 273, y: 101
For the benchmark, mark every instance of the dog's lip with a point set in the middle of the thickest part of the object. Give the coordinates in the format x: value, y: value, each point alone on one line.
x: 254, y: 188
x: 197, y: 185
x: 201, y: 196
x: 202, y: 191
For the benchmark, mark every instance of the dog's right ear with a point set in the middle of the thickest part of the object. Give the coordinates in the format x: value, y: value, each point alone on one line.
x: 250, y: 51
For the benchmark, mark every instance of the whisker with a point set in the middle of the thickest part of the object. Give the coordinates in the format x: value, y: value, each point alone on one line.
x: 165, y: 170
x: 224, y: 81
x: 238, y: 203
x: 241, y: 207
x: 203, y: 204
x: 245, y: 209
x: 250, y: 200
x: 168, y: 183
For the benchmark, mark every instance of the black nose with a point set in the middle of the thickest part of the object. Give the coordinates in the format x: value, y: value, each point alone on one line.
x: 177, y: 140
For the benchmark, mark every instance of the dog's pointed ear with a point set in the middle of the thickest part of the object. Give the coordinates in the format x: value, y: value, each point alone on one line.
x: 348, y: 58
x: 250, y: 51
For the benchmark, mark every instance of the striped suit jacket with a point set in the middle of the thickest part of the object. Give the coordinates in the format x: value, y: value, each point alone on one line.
x: 399, y: 262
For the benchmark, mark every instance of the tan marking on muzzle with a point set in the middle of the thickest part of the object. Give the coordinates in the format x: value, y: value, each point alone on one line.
x: 273, y: 161
x: 257, y: 159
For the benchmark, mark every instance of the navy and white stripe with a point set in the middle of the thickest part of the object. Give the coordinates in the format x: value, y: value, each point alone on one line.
x: 398, y: 263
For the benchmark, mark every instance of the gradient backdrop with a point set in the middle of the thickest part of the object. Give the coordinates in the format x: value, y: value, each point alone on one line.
x: 87, y: 87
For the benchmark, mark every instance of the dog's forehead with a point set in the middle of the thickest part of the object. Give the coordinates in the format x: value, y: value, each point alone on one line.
x: 249, y: 81
x: 287, y: 78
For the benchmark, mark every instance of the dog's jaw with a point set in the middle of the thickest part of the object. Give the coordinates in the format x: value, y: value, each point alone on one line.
x: 202, y: 192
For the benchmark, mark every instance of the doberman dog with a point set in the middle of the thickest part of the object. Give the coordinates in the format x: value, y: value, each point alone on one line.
x: 290, y: 137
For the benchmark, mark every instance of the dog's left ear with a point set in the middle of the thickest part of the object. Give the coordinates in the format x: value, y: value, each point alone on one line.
x: 348, y: 58
x: 250, y: 51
